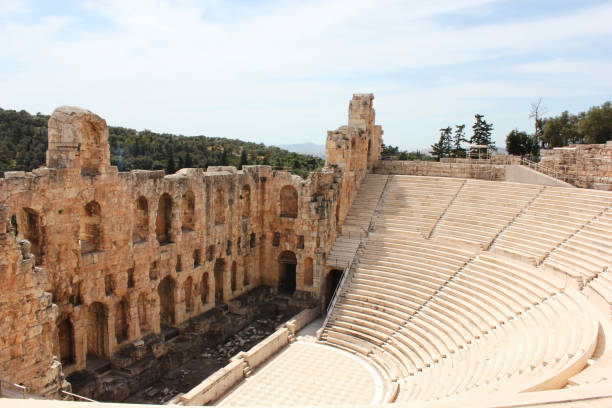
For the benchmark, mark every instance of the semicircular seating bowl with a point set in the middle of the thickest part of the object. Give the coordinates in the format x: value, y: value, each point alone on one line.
x: 442, y: 321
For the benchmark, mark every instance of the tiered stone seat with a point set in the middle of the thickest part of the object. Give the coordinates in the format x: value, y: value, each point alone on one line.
x: 537, y: 348
x: 588, y: 252
x: 553, y: 217
x: 414, y: 204
x: 482, y: 209
x: 357, y: 221
x: 601, y: 286
x: 444, y: 319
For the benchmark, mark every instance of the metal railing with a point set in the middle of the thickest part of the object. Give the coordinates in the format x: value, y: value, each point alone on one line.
x: 21, y: 388
x: 567, y: 178
x: 78, y: 396
x: 343, y: 279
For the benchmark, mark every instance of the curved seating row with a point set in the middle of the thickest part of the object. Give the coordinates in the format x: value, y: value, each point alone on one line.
x: 482, y: 209
x: 588, y: 252
x: 414, y: 204
x: 553, y: 217
x: 468, y: 323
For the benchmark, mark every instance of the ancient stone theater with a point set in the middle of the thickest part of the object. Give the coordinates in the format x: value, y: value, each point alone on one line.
x: 481, y: 283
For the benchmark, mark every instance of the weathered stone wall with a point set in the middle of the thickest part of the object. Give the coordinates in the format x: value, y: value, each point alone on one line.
x: 125, y: 253
x: 27, y: 318
x: 483, y: 171
x: 590, y: 165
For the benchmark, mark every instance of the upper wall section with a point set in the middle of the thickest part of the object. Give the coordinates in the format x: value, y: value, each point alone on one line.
x: 78, y: 139
x: 590, y: 164
x: 358, y: 144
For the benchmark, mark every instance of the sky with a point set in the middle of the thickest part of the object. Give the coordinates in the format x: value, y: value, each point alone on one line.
x: 282, y: 72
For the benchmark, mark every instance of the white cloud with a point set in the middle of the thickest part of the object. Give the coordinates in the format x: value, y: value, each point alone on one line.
x: 285, y: 68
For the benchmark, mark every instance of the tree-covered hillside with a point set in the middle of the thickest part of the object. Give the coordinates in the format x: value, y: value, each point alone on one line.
x: 23, y: 143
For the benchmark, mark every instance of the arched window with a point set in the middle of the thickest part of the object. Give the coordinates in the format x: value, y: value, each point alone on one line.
x: 245, y: 272
x: 188, y: 294
x: 90, y: 231
x: 234, y: 272
x: 96, y: 330
x: 121, y: 321
x: 32, y: 231
x: 204, y: 288
x: 307, y: 271
x: 166, y: 300
x: 188, y: 206
x: 66, y: 342
x: 246, y: 200
x: 164, y: 219
x: 286, y: 278
x: 142, y: 313
x: 288, y: 202
x: 141, y: 220
x: 220, y: 205
x: 219, y: 272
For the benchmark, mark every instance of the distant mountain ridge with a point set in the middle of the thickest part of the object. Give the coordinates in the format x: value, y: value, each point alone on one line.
x: 305, y: 148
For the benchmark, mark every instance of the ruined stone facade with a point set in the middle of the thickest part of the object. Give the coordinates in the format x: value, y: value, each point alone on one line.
x: 27, y: 317
x: 123, y: 254
x: 589, y: 165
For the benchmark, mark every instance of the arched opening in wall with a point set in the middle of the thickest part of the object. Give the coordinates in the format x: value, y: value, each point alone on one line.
x: 204, y: 288
x: 90, y: 230
x: 286, y: 278
x: 288, y: 202
x: 32, y: 231
x: 188, y: 206
x: 66, y: 342
x: 96, y: 330
x: 369, y: 147
x: 141, y: 220
x: 14, y: 226
x: 142, y: 313
x: 219, y: 272
x: 333, y: 279
x: 166, y: 300
x: 164, y: 219
x: 307, y: 271
x: 121, y: 321
x: 245, y: 272
x: 188, y: 294
x: 234, y: 271
x: 246, y: 201
x: 91, y: 149
x: 338, y: 214
x: 220, y: 205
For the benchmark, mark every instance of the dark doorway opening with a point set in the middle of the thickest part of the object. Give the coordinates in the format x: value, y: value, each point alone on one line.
x: 333, y: 279
x: 66, y: 334
x: 166, y: 300
x: 219, y: 272
x: 286, y: 279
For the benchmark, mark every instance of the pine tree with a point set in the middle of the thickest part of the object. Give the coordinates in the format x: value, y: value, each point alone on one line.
x: 458, y: 138
x: 482, y: 134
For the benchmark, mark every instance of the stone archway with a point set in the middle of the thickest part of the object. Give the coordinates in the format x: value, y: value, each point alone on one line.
x: 166, y: 300
x: 219, y: 272
x: 286, y: 272
x: 66, y: 342
x: 333, y: 280
x: 96, y: 330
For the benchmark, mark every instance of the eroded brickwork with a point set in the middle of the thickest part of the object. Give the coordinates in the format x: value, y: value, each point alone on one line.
x: 124, y: 253
x: 27, y: 317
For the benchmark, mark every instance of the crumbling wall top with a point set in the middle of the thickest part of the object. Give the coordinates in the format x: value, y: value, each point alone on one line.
x: 78, y: 138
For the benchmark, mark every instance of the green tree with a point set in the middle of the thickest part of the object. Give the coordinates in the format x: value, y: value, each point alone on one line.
x: 596, y: 125
x: 443, y: 148
x: 561, y: 130
x: 482, y: 134
x: 458, y: 139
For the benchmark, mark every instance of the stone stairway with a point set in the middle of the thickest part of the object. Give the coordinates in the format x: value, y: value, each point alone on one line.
x: 358, y: 220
